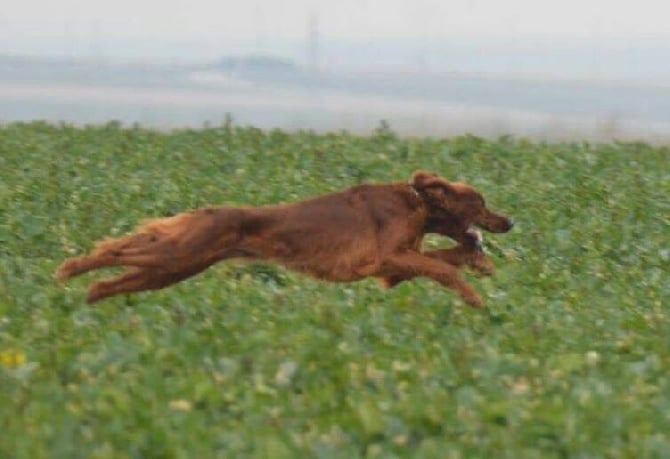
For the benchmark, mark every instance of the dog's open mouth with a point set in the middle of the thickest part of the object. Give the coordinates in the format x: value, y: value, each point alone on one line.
x: 477, y: 236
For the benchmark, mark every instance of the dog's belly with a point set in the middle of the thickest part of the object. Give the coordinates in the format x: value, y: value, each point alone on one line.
x: 334, y: 270
x: 329, y: 265
x: 338, y: 242
x: 333, y: 259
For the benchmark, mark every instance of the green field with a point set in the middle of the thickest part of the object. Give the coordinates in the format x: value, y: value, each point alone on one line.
x: 571, y: 358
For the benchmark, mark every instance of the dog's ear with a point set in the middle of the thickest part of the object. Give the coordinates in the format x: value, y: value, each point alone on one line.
x: 438, y: 192
x: 421, y: 180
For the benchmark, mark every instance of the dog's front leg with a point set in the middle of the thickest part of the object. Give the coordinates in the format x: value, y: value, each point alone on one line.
x: 461, y: 256
x: 468, y: 253
x: 408, y: 265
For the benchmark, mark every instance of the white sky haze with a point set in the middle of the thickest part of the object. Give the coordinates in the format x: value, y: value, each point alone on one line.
x: 341, y: 19
x: 399, y: 48
x: 593, y: 38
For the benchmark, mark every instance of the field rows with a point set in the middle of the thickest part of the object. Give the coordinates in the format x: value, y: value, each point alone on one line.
x: 571, y: 358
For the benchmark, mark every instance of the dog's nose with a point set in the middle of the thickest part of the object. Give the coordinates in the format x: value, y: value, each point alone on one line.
x: 510, y: 223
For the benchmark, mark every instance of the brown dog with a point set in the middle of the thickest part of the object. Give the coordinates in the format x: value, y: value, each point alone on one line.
x: 364, y: 231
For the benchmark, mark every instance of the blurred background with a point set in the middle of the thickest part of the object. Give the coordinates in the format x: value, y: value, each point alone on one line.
x: 576, y: 69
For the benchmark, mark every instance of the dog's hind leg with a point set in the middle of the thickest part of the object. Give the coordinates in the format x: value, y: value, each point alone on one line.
x: 131, y: 281
x: 109, y: 252
x: 139, y: 250
x: 140, y: 279
x: 76, y: 266
x: 153, y: 277
x: 163, y: 252
x: 135, y: 280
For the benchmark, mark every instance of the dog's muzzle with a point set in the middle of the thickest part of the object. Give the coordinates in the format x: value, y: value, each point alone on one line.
x: 496, y: 224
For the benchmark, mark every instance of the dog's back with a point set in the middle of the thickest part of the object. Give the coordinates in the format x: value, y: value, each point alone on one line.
x: 335, y: 237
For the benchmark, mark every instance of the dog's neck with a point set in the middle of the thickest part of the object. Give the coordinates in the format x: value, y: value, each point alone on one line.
x: 421, y: 203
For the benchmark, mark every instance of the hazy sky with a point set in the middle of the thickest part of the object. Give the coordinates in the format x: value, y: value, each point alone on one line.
x: 287, y: 19
x: 205, y: 29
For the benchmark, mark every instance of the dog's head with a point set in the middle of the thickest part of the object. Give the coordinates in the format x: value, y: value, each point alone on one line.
x: 458, y: 201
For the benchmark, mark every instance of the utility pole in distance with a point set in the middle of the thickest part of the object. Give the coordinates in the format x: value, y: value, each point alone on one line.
x: 313, y: 42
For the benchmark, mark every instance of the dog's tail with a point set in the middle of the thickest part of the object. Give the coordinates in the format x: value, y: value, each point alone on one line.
x: 150, y: 233
x: 158, y: 241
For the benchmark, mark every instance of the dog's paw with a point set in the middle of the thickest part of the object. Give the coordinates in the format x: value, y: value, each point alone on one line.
x: 474, y: 300
x: 482, y: 265
x: 66, y: 270
x: 95, y: 293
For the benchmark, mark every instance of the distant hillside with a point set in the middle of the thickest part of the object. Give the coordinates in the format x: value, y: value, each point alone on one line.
x: 256, y: 64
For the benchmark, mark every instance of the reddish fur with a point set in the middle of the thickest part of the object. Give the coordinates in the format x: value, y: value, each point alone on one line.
x: 364, y: 231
